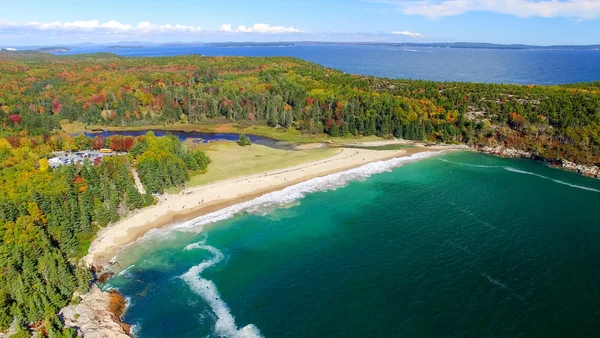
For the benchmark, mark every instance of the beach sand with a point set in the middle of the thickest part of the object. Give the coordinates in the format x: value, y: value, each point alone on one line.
x: 197, y: 201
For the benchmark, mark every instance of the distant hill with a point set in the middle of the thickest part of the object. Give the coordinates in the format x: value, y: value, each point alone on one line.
x: 124, y: 47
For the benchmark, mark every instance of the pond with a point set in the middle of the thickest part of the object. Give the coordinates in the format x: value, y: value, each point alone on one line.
x: 198, y: 137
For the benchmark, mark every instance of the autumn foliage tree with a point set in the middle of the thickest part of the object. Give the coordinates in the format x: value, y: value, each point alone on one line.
x: 98, y: 142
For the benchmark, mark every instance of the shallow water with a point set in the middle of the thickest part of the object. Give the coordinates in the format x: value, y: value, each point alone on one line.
x: 462, y: 244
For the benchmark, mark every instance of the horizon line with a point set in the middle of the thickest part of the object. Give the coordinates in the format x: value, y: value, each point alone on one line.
x: 167, y: 43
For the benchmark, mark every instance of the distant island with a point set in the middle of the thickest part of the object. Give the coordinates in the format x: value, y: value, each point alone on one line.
x: 124, y: 47
x: 264, y: 44
x: 54, y: 50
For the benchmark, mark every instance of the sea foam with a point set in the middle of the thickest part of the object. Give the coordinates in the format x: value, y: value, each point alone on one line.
x: 300, y: 190
x: 225, y: 325
x: 127, y: 271
x: 551, y: 179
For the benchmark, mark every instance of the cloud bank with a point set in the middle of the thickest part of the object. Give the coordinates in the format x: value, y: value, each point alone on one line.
x: 143, y: 28
x: 261, y: 28
x: 407, y: 33
x: 435, y: 9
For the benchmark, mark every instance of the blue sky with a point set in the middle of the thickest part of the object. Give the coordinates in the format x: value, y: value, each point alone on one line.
x: 542, y: 22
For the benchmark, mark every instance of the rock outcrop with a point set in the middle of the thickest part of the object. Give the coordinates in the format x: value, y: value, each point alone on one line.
x: 586, y: 170
x: 591, y: 171
x: 98, y: 315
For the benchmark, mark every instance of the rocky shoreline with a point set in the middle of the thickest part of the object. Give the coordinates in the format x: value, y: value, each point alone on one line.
x: 586, y: 170
x: 97, y: 314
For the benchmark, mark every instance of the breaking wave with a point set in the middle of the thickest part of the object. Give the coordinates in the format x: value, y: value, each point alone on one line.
x: 225, y: 325
x: 127, y: 271
x: 551, y: 179
x: 470, y: 165
x: 300, y: 190
x: 518, y: 171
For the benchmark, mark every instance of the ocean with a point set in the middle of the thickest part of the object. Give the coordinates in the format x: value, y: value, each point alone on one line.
x: 545, y: 67
x: 461, y: 244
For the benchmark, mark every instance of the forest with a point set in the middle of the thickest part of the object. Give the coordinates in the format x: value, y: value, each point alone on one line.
x: 38, y: 90
x: 48, y: 216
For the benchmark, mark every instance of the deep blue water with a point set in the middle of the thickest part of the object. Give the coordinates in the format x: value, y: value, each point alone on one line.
x: 438, y: 64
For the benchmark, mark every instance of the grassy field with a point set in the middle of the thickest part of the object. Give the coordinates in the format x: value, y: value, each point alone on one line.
x: 230, y: 160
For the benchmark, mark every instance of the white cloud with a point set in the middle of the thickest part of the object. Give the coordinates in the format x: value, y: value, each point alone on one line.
x: 225, y: 28
x: 407, y: 33
x: 435, y: 9
x: 143, y: 28
x: 95, y: 26
x: 261, y: 28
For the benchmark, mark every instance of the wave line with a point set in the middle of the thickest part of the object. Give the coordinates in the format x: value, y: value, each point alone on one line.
x: 301, y: 190
x: 225, y: 325
x: 514, y: 170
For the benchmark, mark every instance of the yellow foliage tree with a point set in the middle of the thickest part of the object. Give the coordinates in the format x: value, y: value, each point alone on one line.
x: 43, y: 163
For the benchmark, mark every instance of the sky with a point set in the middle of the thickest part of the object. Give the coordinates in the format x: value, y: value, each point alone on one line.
x: 63, y: 22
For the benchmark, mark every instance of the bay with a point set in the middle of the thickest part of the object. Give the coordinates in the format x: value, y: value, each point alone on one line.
x: 462, y: 244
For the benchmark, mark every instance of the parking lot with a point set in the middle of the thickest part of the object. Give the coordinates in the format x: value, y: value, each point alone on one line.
x: 64, y: 157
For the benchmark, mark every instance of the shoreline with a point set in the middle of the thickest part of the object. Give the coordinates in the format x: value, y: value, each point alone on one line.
x: 198, y: 201
x: 590, y: 171
x: 98, y: 314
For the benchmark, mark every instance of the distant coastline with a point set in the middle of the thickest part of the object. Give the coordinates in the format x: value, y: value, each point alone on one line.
x: 124, y: 47
x: 454, y: 45
x: 465, y: 45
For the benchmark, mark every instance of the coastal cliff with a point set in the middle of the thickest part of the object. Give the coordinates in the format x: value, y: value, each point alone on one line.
x: 98, y: 315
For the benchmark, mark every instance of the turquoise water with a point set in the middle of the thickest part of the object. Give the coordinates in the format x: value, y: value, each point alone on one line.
x: 459, y: 245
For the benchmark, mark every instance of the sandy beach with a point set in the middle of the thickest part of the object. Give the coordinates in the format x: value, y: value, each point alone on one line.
x: 194, y: 202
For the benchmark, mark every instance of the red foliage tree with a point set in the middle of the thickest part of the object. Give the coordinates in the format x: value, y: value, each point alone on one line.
x: 129, y: 142
x: 121, y: 143
x: 328, y: 123
x: 80, y: 184
x: 56, y: 106
x: 15, y: 118
x: 98, y: 142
